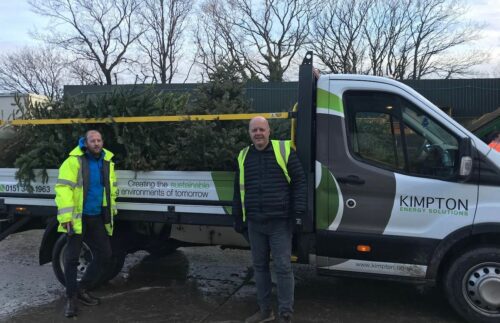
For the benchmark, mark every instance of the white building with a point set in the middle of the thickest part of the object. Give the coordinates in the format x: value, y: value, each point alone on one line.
x: 9, y: 109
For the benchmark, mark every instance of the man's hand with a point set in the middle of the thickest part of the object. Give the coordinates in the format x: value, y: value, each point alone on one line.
x: 239, y: 226
x: 69, y: 227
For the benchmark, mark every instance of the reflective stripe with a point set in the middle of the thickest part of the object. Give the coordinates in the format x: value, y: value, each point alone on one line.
x: 79, y: 179
x: 281, y: 153
x: 282, y: 150
x: 66, y: 182
x: 77, y: 216
x: 241, y: 163
x: 65, y: 210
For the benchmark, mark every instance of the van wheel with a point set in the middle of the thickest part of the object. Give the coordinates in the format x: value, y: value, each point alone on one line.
x: 163, y: 249
x: 472, y: 285
x: 58, y: 259
x: 114, y: 267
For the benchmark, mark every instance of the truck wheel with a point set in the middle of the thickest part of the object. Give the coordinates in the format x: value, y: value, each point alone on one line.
x: 164, y: 249
x: 472, y: 285
x: 58, y: 259
x: 114, y: 267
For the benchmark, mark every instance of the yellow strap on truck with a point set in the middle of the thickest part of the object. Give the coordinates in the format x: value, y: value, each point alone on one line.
x: 180, y: 118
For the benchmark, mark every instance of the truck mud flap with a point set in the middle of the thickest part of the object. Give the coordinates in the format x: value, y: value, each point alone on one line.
x: 15, y: 226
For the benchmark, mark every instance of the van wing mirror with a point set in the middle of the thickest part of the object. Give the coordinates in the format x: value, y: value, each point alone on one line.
x: 465, y: 150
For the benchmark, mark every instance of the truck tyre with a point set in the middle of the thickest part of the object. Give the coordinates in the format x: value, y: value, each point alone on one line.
x: 472, y: 284
x: 114, y: 267
x: 163, y: 249
x: 58, y: 259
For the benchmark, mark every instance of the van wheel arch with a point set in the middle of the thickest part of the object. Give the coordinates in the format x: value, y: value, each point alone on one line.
x: 456, y: 244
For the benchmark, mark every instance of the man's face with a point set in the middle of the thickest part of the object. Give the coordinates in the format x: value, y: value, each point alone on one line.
x: 94, y: 143
x: 259, y: 132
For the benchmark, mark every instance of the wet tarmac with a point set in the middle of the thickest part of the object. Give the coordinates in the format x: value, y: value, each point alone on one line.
x: 202, y: 284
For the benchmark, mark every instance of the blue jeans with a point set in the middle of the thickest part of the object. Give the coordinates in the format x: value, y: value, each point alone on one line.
x: 275, y: 237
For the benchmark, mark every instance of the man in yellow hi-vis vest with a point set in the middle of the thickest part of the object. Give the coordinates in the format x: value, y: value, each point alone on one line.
x: 269, y: 194
x: 85, y: 196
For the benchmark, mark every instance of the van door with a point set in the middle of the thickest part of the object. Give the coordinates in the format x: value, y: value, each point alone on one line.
x: 394, y: 166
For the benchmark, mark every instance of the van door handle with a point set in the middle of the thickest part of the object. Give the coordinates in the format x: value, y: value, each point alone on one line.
x: 351, y: 179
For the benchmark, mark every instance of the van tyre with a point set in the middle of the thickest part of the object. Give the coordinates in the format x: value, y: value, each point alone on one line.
x: 165, y: 249
x: 472, y: 285
x: 58, y: 259
x: 114, y: 266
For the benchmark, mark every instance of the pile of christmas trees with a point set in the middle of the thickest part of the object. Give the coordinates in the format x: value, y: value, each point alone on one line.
x: 187, y: 145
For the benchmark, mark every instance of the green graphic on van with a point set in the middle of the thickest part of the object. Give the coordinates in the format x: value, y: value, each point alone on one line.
x: 329, y: 101
x: 327, y: 199
x: 224, y: 186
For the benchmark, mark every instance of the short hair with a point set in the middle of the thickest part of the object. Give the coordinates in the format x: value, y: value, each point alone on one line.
x: 89, y: 131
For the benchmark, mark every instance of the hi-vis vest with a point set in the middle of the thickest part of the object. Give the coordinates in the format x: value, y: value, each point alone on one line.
x: 281, y: 150
x: 70, y: 192
x: 495, y: 145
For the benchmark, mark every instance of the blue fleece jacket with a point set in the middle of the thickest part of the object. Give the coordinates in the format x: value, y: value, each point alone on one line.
x: 93, y: 203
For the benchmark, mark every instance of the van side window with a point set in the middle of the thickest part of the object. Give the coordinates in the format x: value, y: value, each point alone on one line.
x: 377, y: 138
x: 388, y: 131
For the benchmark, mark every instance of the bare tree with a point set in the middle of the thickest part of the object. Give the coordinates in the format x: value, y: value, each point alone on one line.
x: 432, y: 32
x: 453, y: 65
x: 164, y: 24
x: 262, y: 36
x: 85, y: 73
x: 386, y: 24
x: 436, y: 26
x: 99, y: 31
x: 397, y: 38
x: 218, y: 43
x: 34, y: 70
x: 338, y: 35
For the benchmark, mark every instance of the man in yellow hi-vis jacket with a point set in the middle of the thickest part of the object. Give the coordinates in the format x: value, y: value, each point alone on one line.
x: 269, y: 194
x: 85, y: 196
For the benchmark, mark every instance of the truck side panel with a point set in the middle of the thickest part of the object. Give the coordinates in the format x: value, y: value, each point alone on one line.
x: 371, y: 188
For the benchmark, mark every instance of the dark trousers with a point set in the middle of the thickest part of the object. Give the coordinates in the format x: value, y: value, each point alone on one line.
x: 273, y: 237
x: 95, y: 236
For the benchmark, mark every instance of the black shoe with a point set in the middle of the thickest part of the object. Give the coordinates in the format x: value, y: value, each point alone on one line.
x: 261, y: 317
x: 85, y: 298
x: 71, y: 308
x: 286, y: 318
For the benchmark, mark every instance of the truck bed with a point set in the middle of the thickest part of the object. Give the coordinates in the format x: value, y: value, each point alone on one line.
x: 172, y: 195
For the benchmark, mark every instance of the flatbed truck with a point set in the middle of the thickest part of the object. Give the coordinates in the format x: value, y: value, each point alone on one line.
x: 396, y: 190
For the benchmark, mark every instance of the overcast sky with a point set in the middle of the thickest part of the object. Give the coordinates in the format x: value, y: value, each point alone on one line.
x: 17, y: 20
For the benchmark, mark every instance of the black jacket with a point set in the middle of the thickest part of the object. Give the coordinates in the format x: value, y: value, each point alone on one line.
x: 267, y: 192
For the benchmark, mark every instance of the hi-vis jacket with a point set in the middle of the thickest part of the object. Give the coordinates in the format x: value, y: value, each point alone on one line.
x: 269, y: 184
x: 71, y: 190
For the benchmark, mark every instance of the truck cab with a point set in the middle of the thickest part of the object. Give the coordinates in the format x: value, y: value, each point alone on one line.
x: 402, y: 191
